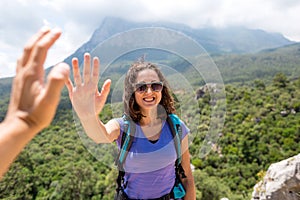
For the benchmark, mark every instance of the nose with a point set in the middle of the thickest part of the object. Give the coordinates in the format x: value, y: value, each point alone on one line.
x: 149, y: 89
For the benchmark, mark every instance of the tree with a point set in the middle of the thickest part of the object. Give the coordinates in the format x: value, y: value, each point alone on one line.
x: 280, y: 80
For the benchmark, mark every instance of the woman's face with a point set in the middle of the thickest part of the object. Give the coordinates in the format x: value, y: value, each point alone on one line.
x: 150, y: 97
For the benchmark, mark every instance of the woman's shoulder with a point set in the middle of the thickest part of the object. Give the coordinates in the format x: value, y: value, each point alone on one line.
x: 119, y: 120
x: 185, y: 129
x: 182, y: 123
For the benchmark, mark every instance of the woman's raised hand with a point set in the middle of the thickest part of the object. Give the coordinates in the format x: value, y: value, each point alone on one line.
x: 84, y: 94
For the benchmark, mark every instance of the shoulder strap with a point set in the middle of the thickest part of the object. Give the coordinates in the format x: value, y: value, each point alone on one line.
x: 174, y: 122
x: 126, y: 141
x: 176, y: 129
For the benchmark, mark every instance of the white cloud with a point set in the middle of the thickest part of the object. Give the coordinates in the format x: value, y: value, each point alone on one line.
x: 19, y: 19
x: 7, y: 66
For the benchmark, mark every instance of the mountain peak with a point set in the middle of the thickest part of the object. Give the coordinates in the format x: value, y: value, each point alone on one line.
x: 226, y: 40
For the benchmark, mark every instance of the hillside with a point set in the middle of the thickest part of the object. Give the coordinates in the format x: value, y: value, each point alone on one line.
x: 261, y: 127
x: 262, y: 65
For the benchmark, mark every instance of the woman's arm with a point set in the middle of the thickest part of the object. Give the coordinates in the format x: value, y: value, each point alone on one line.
x: 100, y: 132
x: 88, y: 101
x: 187, y: 182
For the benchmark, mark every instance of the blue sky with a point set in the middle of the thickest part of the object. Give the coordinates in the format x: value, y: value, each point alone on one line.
x: 19, y: 19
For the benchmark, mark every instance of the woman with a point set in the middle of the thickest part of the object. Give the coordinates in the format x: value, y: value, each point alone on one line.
x: 150, y: 173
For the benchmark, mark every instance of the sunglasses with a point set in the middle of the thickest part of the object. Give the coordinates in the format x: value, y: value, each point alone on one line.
x: 143, y: 87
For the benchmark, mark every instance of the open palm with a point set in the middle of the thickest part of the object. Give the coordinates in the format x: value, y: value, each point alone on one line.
x: 86, y: 99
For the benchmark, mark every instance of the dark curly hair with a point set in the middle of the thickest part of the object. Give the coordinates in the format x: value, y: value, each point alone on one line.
x: 131, y: 108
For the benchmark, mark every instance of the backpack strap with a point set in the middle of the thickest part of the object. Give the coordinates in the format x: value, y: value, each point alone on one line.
x: 176, y: 129
x: 126, y: 142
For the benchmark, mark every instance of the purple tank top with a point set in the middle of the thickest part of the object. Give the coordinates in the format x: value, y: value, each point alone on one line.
x: 149, y: 167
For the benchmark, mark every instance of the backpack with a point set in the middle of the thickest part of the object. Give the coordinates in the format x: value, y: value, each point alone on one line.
x: 126, y: 142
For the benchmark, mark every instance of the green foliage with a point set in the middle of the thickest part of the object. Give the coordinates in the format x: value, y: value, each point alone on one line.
x: 258, y: 131
x: 261, y: 66
x: 280, y: 80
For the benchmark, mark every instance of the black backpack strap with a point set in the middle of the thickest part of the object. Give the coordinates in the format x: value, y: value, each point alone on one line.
x: 126, y: 142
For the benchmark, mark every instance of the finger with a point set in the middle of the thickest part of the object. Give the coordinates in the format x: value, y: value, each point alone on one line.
x: 105, y: 89
x: 40, y: 49
x: 56, y: 80
x: 96, y: 67
x: 70, y: 87
x: 51, y: 95
x: 29, y: 45
x: 76, y: 72
x: 87, y: 68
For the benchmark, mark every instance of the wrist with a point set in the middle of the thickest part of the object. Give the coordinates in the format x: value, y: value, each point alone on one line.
x: 24, y: 124
x: 88, y: 118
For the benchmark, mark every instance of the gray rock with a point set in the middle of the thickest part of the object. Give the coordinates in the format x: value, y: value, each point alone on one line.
x: 281, y: 182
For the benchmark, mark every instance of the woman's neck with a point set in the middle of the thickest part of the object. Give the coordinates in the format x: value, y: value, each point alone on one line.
x: 150, y: 118
x: 151, y: 125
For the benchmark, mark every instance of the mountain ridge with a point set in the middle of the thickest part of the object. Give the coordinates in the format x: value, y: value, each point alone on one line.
x: 214, y: 40
x: 108, y: 29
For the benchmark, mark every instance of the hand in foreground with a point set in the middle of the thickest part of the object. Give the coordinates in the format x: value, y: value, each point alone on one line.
x: 85, y: 96
x: 33, y: 101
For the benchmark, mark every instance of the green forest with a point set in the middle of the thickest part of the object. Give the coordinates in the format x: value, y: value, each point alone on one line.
x: 262, y: 126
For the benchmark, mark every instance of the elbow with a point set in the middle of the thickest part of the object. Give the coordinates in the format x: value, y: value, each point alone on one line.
x: 102, y: 140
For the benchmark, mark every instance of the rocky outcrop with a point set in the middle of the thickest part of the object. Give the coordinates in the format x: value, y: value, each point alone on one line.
x: 206, y: 89
x: 281, y: 182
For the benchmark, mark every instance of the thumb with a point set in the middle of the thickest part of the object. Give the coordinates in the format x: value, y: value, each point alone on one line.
x: 106, y: 88
x: 105, y: 91
x: 56, y: 80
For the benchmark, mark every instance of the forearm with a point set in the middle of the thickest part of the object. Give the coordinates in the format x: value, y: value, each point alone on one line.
x: 189, y: 186
x: 15, y: 134
x: 96, y: 130
x: 188, y: 182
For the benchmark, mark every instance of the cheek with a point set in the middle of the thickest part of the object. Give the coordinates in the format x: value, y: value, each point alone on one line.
x: 136, y: 98
x: 159, y: 96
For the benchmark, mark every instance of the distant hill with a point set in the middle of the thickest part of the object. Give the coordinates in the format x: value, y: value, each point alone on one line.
x: 261, y: 65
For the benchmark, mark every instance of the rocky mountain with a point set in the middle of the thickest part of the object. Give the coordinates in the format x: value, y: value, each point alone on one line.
x: 214, y: 40
x: 231, y: 40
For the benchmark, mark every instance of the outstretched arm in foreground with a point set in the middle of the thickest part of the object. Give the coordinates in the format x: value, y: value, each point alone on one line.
x: 33, y: 103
